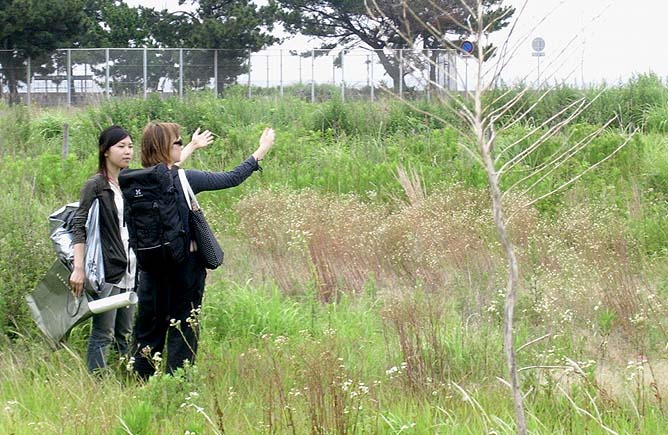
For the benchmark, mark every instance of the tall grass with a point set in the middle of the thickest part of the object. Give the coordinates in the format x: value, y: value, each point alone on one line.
x: 408, y: 364
x: 363, y: 286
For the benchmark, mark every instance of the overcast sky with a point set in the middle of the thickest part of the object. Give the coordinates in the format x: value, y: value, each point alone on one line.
x: 585, y: 40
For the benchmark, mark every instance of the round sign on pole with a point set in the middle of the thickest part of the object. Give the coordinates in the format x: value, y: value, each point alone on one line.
x: 467, y: 47
x: 538, y: 44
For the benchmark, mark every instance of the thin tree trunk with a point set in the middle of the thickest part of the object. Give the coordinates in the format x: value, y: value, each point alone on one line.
x: 513, y: 274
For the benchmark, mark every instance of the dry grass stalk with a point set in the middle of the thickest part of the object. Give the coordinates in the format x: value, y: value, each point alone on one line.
x: 413, y: 187
x: 417, y: 321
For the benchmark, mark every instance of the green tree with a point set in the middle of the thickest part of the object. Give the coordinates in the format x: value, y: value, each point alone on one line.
x: 112, y: 23
x: 238, y: 28
x: 35, y: 28
x: 388, y: 24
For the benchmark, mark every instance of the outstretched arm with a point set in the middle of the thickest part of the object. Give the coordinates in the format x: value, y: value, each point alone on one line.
x: 205, y: 180
x: 197, y: 141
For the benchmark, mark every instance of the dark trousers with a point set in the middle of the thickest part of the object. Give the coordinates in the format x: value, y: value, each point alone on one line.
x: 166, y: 315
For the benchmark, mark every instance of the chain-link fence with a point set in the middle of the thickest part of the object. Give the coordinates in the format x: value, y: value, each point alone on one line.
x: 81, y: 76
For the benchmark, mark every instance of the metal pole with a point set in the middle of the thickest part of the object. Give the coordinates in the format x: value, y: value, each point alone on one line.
x: 69, y: 77
x: 453, y: 83
x: 343, y: 80
x: 181, y: 74
x: 106, y: 82
x: 28, y: 82
x: 249, y: 74
x: 300, y: 70
x: 430, y: 57
x: 401, y: 73
x: 368, y: 75
x: 281, y: 72
x: 145, y: 73
x: 267, y: 59
x: 312, y: 76
x: 466, y: 73
x: 372, y: 85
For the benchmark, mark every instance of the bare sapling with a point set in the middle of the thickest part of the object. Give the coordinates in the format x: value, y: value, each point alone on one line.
x: 487, y: 110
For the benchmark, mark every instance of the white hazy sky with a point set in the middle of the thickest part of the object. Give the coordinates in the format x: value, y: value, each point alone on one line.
x: 586, y: 40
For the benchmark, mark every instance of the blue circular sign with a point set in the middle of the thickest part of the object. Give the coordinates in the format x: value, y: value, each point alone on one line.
x: 467, y: 47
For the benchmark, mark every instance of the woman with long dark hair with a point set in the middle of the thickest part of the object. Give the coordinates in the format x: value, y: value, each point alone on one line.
x: 115, y: 149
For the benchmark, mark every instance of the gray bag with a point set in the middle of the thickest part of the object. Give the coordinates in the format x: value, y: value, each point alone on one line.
x: 52, y: 304
x: 54, y: 307
x: 56, y: 310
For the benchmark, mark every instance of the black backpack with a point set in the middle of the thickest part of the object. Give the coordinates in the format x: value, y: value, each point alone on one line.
x: 151, y: 213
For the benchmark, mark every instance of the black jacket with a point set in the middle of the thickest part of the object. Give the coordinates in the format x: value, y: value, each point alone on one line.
x: 113, y: 251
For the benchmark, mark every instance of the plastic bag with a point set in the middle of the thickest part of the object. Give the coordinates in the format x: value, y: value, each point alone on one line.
x: 60, y: 225
x: 61, y: 222
x: 93, y: 259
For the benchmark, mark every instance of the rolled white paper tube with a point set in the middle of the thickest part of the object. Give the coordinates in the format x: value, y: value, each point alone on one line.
x: 112, y: 302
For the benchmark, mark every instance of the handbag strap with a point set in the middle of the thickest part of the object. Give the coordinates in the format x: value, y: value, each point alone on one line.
x: 188, y: 191
x: 77, y: 300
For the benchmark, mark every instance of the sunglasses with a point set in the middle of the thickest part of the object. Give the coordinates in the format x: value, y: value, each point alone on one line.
x: 179, y: 142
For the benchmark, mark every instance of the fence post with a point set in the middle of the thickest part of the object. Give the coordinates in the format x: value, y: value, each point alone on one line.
x: 343, y: 76
x: 106, y: 82
x: 312, y: 76
x: 28, y: 82
x: 215, y: 72
x: 66, y: 141
x: 69, y: 77
x: 401, y: 73
x: 430, y: 57
x: 145, y: 74
x: 181, y: 74
x: 369, y: 78
x: 250, y: 67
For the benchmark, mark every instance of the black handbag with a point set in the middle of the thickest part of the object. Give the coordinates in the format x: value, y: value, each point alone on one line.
x: 208, y: 248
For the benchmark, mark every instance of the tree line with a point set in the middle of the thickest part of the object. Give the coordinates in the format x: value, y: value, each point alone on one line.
x: 35, y: 29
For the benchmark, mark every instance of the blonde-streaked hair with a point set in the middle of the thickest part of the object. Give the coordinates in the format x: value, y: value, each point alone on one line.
x: 156, y: 142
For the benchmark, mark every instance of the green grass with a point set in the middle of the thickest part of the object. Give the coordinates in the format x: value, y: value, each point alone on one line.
x: 342, y: 373
x: 344, y: 305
